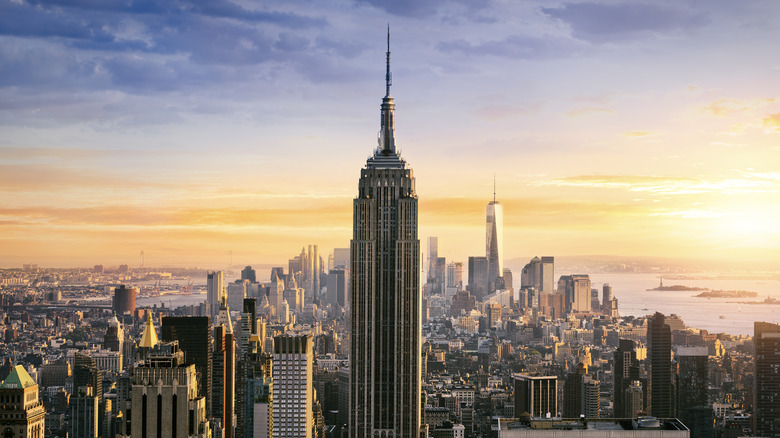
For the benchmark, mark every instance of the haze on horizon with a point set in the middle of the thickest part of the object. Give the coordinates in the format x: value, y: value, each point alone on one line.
x: 188, y: 130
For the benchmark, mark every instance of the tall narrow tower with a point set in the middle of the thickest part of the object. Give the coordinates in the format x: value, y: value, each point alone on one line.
x: 659, y: 355
x: 215, y: 284
x: 767, y: 379
x: 385, y: 293
x: 494, y: 241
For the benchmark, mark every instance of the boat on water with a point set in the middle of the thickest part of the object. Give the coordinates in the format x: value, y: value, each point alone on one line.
x: 722, y: 317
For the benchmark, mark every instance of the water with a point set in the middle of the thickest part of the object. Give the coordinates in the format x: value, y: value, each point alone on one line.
x: 173, y: 300
x: 701, y: 313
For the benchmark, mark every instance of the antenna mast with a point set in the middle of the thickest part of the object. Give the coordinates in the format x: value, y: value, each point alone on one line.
x: 388, y: 75
x: 494, y: 188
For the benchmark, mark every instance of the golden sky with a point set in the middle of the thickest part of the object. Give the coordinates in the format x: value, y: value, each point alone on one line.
x: 653, y: 137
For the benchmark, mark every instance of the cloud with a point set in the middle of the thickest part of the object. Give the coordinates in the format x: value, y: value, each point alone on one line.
x: 345, y: 48
x: 588, y: 111
x: 146, y: 45
x: 725, y: 107
x: 750, y: 183
x: 637, y: 133
x: 514, y: 46
x: 173, y: 8
x: 614, y: 22
x: 60, y: 154
x: 499, y: 112
x: 772, y: 122
x: 430, y: 8
x: 27, y: 20
x: 405, y: 8
x: 537, y: 213
x: 179, y: 218
x: 52, y: 178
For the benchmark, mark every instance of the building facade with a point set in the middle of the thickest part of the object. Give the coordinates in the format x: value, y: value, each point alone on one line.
x: 215, y: 283
x: 22, y: 414
x: 124, y: 300
x: 536, y: 395
x: 659, y: 356
x: 293, y: 387
x: 194, y: 335
x: 626, y: 372
x: 692, y: 387
x: 165, y: 399
x: 478, y: 277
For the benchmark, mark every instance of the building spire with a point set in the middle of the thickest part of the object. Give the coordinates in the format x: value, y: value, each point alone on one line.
x: 386, y: 155
x: 388, y: 75
x: 387, y: 129
x: 494, y: 187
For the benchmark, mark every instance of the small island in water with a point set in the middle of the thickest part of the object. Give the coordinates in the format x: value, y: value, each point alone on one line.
x: 727, y: 294
x: 677, y: 288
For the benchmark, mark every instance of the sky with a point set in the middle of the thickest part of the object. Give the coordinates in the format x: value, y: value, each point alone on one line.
x: 193, y: 130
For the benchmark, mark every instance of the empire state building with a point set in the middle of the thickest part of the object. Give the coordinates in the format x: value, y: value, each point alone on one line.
x: 385, y: 294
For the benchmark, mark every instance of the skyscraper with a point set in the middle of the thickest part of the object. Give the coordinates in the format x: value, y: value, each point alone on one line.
x: 385, y: 294
x: 659, y: 355
x: 337, y: 285
x: 692, y: 387
x: 165, y: 398
x: 214, y: 285
x: 22, y: 414
x: 766, y: 341
x: 626, y: 371
x: 124, y: 300
x: 195, y: 340
x: 573, y: 393
x: 249, y: 274
x: 293, y: 387
x: 223, y: 373
x: 547, y: 273
x: 433, y: 254
x: 478, y: 279
x: 455, y: 276
x: 536, y: 395
x: 494, y: 242
x: 258, y: 405
x: 115, y: 337
x: 84, y: 413
x: 577, y: 290
x: 86, y: 373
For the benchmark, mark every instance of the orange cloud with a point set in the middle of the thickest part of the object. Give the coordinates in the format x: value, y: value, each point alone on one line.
x: 772, y: 122
x: 23, y: 177
x: 222, y: 218
x: 725, y: 107
x: 670, y: 185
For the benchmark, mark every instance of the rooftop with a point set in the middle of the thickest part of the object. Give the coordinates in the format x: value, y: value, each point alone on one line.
x: 642, y: 423
x: 17, y: 379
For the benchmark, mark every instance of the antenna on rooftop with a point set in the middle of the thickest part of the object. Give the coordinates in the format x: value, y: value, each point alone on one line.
x: 388, y: 76
x: 494, y: 187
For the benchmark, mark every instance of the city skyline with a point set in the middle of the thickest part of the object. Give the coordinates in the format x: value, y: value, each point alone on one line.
x: 613, y: 128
